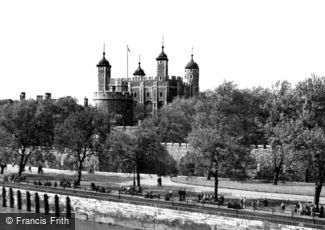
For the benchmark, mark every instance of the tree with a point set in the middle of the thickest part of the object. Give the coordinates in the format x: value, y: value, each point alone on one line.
x: 141, y: 151
x: 312, y: 143
x: 283, y: 135
x: 282, y: 107
x: 217, y: 132
x: 24, y: 122
x: 170, y: 123
x: 82, y: 134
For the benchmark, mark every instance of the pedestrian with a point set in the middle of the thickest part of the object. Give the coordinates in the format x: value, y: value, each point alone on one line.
x: 184, y: 195
x: 321, y: 211
x: 159, y: 182
x: 254, y: 204
x: 221, y: 199
x: 313, y: 210
x: 283, y: 206
x: 180, y: 194
x: 199, y: 197
x: 242, y: 202
x: 300, y: 209
x: 265, y: 202
x: 170, y: 194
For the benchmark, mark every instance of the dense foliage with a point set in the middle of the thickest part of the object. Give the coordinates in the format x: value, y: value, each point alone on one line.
x: 275, y: 133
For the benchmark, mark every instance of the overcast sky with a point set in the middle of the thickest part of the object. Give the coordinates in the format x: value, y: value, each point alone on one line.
x: 54, y: 46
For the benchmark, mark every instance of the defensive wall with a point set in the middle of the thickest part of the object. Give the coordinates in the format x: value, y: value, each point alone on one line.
x: 177, y: 150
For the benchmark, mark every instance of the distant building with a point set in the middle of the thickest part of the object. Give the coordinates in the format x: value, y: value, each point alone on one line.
x: 120, y: 96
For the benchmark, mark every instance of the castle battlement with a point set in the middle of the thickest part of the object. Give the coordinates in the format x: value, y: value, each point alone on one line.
x: 143, y: 78
x: 113, y: 96
x: 177, y: 78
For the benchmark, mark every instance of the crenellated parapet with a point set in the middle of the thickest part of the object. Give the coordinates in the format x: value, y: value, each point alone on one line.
x: 113, y: 96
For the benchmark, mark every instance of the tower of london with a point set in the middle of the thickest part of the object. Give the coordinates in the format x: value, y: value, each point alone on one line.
x: 121, y: 96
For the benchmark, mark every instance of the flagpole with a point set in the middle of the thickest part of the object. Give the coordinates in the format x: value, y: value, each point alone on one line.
x: 127, y: 61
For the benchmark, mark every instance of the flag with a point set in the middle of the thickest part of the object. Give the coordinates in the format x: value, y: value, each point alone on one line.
x: 128, y: 48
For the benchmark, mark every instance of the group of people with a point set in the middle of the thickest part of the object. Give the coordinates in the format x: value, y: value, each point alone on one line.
x: 254, y: 203
x: 311, y: 210
x: 209, y: 197
x: 206, y: 197
x: 181, y: 195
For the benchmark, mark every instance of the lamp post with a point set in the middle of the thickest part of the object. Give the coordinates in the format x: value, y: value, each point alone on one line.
x: 134, y: 176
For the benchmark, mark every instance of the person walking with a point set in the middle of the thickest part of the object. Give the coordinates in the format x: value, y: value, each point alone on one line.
x: 244, y: 202
x: 283, y: 206
x: 300, y: 208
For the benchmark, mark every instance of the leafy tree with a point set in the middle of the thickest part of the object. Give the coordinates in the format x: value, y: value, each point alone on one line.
x: 312, y: 143
x: 283, y: 135
x: 171, y: 124
x: 282, y: 107
x: 217, y: 132
x: 82, y: 134
x: 140, y: 150
x: 23, y: 122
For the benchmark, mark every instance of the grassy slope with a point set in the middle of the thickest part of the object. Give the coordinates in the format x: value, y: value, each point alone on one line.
x: 287, y: 188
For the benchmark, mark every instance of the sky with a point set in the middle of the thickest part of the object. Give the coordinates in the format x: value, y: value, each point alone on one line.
x: 54, y: 46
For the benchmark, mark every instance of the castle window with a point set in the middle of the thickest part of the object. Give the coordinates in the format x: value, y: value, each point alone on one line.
x: 160, y: 94
x: 148, y: 94
x: 191, y: 76
x: 135, y: 94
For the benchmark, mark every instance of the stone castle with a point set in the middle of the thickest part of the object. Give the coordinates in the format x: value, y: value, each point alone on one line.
x: 121, y: 96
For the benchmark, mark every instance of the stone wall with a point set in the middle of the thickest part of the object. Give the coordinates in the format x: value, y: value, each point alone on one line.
x: 177, y: 150
x: 151, y: 217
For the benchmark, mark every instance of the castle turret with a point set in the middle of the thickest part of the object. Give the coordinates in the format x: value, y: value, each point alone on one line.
x: 192, y: 76
x: 162, y: 66
x: 104, y: 74
x: 139, y: 71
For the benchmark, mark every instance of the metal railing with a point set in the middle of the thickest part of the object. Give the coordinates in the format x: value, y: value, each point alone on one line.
x: 249, y: 213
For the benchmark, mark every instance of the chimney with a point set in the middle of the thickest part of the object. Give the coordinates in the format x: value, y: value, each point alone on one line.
x: 86, y: 102
x: 47, y: 96
x: 39, y: 98
x: 22, y: 96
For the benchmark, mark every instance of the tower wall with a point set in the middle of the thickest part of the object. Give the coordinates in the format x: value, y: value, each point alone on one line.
x: 162, y: 70
x: 118, y: 104
x: 104, y: 77
x: 192, y: 78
